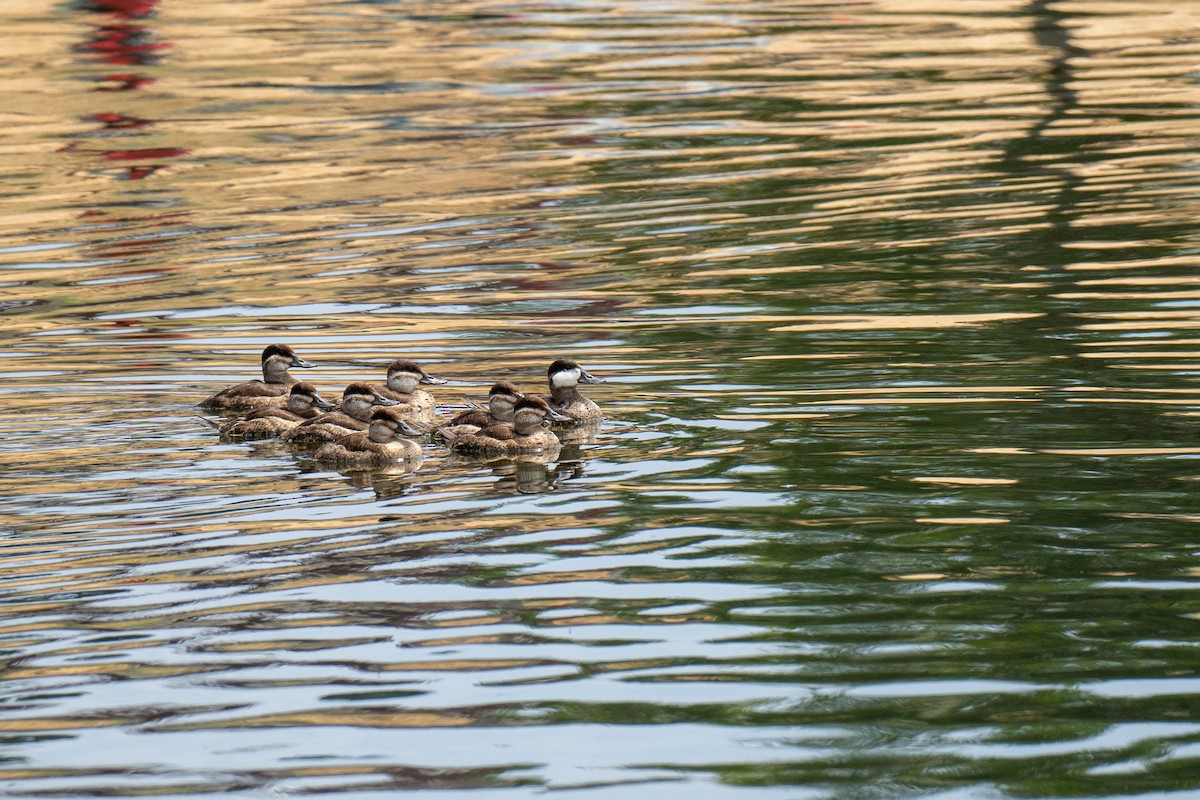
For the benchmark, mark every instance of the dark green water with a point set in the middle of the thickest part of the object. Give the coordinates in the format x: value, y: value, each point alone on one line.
x: 897, y: 307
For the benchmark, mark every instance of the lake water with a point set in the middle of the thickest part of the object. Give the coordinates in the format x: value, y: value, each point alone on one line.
x: 898, y: 307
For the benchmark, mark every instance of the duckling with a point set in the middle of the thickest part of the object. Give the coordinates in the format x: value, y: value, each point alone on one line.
x: 357, y: 402
x: 529, y: 432
x: 271, y: 391
x: 380, y: 444
x: 304, y: 402
x: 403, y: 376
x: 564, y: 375
x: 502, y: 398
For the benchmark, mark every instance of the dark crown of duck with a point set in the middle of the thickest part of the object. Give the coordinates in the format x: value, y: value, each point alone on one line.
x: 532, y: 401
x: 391, y: 415
x: 404, y: 365
x: 504, y: 387
x: 278, y: 350
x: 563, y: 365
x: 358, y: 388
x: 304, y: 387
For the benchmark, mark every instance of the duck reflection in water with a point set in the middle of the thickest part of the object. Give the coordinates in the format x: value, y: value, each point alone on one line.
x: 525, y: 473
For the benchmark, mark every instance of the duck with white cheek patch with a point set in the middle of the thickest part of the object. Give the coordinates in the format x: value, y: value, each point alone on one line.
x: 403, y: 385
x: 529, y: 432
x: 564, y: 377
x: 304, y: 402
x: 272, y: 390
x: 382, y: 443
x: 358, y: 402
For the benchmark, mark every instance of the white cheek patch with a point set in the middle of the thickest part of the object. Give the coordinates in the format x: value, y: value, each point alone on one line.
x: 567, y: 377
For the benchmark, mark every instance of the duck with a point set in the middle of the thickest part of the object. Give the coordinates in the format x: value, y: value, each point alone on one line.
x: 271, y: 391
x: 304, y: 402
x: 502, y: 400
x: 529, y: 432
x: 403, y: 377
x: 382, y: 442
x: 358, y: 401
x: 564, y: 375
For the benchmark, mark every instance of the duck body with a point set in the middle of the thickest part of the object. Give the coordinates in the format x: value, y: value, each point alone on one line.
x: 265, y: 424
x: 271, y: 391
x: 564, y: 377
x: 381, y: 444
x: 403, y: 379
x: 502, y: 438
x: 529, y: 432
x: 358, y: 402
x: 357, y: 449
x: 572, y: 403
x: 304, y: 402
x: 418, y: 406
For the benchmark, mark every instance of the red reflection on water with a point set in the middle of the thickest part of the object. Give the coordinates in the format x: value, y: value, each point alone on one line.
x: 152, y: 152
x: 123, y: 44
x: 123, y: 9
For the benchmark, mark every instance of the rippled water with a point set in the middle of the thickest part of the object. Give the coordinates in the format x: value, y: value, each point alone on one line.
x: 897, y: 306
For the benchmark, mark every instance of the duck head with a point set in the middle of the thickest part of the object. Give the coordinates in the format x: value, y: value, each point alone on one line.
x: 532, y: 412
x: 565, y: 373
x: 359, y: 398
x: 502, y: 399
x: 388, y: 425
x: 277, y: 359
x: 304, y: 397
x: 403, y: 376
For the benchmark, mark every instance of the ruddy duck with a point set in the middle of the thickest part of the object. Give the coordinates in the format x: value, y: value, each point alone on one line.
x: 403, y: 377
x: 529, y: 432
x: 381, y: 443
x: 502, y: 399
x: 272, y: 390
x: 303, y: 403
x: 357, y: 402
x: 564, y: 375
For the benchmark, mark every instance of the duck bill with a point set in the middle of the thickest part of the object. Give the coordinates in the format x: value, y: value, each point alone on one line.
x: 426, y: 378
x: 297, y: 361
x: 406, y: 428
x: 587, y: 377
x: 380, y: 400
x: 322, y: 403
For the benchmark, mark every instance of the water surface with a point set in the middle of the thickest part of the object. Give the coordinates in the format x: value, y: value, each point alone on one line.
x: 897, y: 307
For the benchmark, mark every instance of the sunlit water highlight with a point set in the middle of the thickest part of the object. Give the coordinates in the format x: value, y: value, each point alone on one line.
x: 897, y: 307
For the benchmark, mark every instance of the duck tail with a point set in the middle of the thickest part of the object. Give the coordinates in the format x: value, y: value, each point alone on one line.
x: 216, y: 425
